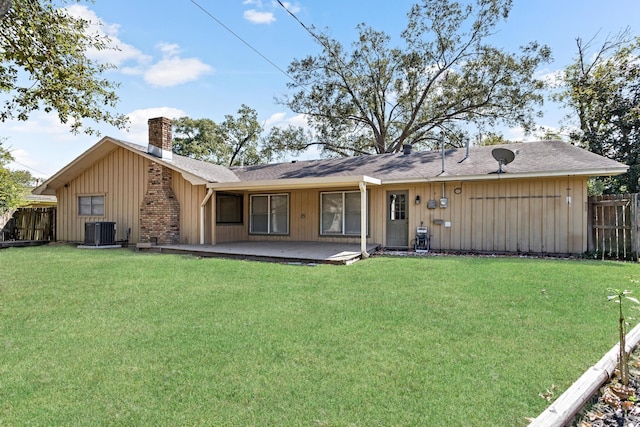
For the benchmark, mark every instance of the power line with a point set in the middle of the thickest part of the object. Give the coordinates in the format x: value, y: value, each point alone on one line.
x: 29, y: 167
x: 326, y: 46
x: 304, y: 26
x: 205, y: 11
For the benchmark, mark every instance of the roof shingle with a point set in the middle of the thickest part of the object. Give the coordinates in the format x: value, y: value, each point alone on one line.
x: 540, y: 158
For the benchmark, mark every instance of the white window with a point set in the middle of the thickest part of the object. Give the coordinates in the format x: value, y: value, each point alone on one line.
x: 340, y: 213
x: 91, y: 205
x: 269, y: 214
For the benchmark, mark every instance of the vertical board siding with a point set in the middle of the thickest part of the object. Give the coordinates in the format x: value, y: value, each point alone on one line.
x: 528, y: 216
x: 505, y: 215
x: 189, y: 197
x: 120, y: 177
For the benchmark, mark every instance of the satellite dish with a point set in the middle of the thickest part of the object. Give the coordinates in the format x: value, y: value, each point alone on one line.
x: 504, y: 156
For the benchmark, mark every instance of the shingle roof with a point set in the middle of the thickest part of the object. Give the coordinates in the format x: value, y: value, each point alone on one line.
x: 535, y: 158
x: 207, y: 171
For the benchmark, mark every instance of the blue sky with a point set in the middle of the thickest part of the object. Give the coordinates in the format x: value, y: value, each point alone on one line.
x: 176, y: 60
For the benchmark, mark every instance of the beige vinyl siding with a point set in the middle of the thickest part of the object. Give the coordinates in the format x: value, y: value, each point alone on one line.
x: 531, y: 216
x: 304, y: 221
x: 190, y: 197
x: 506, y: 215
x: 120, y: 178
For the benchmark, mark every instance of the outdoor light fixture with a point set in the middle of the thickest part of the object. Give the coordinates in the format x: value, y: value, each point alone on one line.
x: 417, y: 200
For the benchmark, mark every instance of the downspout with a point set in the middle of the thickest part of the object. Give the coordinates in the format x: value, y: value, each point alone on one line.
x: 202, y: 206
x: 363, y: 219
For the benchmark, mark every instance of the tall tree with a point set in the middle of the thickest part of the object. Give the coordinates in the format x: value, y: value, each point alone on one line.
x: 375, y: 98
x: 198, y: 139
x: 14, y: 185
x: 242, y: 135
x: 44, y: 65
x: 602, y: 89
x: 234, y: 142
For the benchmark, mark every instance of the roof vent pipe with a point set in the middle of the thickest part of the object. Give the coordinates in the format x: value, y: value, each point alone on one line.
x: 466, y: 141
x: 406, y: 149
x: 442, y: 143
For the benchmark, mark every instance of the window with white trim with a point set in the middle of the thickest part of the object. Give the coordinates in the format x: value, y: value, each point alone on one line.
x: 269, y: 214
x: 91, y: 205
x: 340, y: 213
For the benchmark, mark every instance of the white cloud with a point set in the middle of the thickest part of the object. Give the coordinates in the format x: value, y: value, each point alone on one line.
x: 169, y: 49
x: 281, y: 120
x: 518, y: 134
x: 258, y: 17
x: 553, y: 78
x: 122, y: 51
x: 39, y: 122
x: 293, y: 8
x: 173, y: 70
x: 23, y: 160
x: 138, y: 129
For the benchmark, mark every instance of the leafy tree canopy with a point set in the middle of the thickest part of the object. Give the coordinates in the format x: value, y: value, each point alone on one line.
x: 493, y: 138
x: 14, y: 185
x: 44, y: 65
x: 236, y: 141
x: 374, y: 98
x: 602, y: 90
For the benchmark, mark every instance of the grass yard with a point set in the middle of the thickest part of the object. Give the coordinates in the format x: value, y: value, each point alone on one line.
x: 121, y: 338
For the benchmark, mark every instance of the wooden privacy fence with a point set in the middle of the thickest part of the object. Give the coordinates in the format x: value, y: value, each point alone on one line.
x: 31, y: 224
x: 613, y: 226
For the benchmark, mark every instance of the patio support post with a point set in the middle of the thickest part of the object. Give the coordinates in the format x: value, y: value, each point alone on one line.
x: 202, y: 211
x: 363, y: 219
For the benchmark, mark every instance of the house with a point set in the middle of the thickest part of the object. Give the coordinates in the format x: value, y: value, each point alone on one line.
x: 467, y: 199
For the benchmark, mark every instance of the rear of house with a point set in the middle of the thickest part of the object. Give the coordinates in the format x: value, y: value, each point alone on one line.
x: 535, y: 204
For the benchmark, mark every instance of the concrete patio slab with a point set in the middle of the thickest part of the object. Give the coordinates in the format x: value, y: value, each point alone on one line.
x: 276, y: 251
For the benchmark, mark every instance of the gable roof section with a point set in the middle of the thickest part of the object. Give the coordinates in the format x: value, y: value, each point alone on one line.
x: 195, y: 171
x: 533, y: 160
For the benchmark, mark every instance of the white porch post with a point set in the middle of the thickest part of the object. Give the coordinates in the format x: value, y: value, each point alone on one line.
x: 363, y: 219
x: 214, y: 218
x: 210, y: 192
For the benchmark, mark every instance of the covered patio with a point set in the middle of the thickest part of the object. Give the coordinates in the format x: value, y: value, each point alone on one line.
x: 273, y: 251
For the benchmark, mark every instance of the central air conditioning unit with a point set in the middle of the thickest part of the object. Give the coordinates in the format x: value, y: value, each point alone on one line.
x: 99, y: 233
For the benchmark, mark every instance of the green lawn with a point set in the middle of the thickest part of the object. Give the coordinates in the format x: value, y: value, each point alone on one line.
x: 120, y: 338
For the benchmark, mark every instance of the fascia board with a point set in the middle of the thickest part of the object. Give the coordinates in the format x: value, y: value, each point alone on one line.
x: 76, y: 167
x: 508, y: 175
x: 294, y: 183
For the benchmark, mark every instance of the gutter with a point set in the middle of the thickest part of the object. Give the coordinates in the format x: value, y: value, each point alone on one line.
x: 508, y: 175
x: 295, y: 183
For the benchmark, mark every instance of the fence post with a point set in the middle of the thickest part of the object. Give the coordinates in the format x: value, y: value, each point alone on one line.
x: 635, y: 217
x: 590, y: 231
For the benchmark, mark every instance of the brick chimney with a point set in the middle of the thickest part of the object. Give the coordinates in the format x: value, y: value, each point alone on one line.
x: 160, y: 138
x: 160, y: 209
